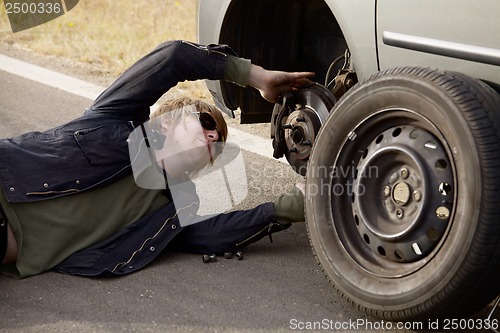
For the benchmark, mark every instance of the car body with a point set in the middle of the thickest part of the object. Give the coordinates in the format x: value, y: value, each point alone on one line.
x: 458, y: 35
x: 409, y: 89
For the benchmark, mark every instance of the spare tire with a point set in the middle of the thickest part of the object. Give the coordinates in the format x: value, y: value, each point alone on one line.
x: 403, y: 194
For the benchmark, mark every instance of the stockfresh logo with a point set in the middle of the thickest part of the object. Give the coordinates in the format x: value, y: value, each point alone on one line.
x: 28, y: 14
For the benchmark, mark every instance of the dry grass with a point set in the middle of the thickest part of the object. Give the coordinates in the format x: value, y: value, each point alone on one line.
x: 110, y: 34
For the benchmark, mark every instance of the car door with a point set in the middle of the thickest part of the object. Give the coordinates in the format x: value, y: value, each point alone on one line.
x: 450, y: 34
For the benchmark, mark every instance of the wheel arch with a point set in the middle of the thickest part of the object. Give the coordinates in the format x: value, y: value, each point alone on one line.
x: 295, y: 35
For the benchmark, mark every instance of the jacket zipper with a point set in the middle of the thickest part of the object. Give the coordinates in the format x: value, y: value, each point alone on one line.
x: 204, y: 48
x: 122, y: 264
x: 258, y: 232
x: 53, y: 192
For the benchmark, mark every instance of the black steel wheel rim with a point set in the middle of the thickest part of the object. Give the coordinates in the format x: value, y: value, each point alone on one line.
x: 398, y: 192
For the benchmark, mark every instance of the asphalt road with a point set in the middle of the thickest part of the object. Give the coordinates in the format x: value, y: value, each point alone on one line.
x: 278, y: 287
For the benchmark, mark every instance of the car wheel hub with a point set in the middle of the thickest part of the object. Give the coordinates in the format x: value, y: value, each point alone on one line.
x: 300, y: 131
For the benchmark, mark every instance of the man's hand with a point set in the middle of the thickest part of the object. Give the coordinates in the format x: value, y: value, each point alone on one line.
x: 272, y: 84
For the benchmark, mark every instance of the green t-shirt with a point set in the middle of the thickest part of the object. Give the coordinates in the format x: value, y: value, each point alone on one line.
x: 49, y: 231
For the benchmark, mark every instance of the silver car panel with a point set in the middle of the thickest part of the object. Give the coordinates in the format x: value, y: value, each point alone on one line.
x: 458, y: 35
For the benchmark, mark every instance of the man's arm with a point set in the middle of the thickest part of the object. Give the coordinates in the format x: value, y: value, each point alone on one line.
x: 271, y: 84
x: 140, y: 86
x: 148, y: 79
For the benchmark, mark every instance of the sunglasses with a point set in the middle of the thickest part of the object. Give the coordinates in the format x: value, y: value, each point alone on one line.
x: 208, y: 123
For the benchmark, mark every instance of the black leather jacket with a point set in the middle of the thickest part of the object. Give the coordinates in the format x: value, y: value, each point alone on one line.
x: 91, y: 150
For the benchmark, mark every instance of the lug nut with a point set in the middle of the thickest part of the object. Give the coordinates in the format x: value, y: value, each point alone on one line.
x: 405, y: 173
x: 239, y: 255
x: 209, y: 258
x: 228, y: 255
x: 442, y: 213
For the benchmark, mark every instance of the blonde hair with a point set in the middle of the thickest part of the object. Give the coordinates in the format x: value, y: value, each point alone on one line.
x: 201, y: 106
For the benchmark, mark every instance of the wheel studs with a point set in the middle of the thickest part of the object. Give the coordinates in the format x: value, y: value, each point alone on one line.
x: 387, y: 191
x: 404, y: 173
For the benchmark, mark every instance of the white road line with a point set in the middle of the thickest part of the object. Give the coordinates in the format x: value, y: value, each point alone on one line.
x: 244, y: 140
x: 49, y: 78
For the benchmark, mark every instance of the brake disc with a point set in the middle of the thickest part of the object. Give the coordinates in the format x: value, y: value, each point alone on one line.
x: 296, y: 121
